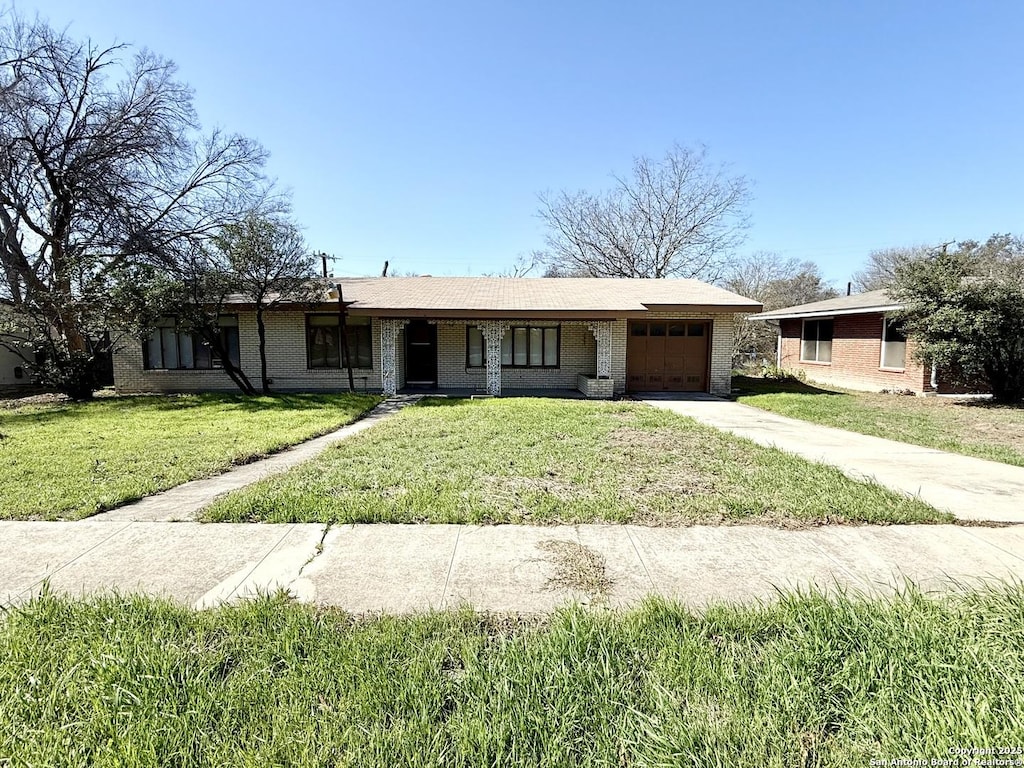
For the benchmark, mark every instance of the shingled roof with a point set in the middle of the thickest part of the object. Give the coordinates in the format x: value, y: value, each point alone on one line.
x: 870, y: 301
x: 532, y: 296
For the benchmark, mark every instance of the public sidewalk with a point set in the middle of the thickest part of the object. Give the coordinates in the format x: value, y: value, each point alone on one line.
x: 183, y: 502
x: 972, y: 489
x: 406, y: 568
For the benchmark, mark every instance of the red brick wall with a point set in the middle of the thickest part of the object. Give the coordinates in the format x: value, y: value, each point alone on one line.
x: 856, y: 355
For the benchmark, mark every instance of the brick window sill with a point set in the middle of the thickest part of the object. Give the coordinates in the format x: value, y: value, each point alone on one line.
x: 813, y: 362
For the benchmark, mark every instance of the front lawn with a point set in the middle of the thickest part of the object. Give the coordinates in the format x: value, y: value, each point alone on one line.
x: 971, y: 427
x: 804, y: 681
x: 559, y: 461
x: 72, y: 460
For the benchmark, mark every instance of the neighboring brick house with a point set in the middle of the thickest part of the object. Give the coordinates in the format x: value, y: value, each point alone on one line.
x: 852, y: 342
x: 466, y: 334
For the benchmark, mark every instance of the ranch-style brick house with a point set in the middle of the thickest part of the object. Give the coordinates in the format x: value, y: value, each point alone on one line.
x: 462, y: 335
x: 853, y: 342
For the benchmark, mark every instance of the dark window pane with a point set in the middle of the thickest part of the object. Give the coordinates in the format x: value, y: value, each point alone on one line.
x: 323, y: 347
x: 893, y: 331
x: 186, y: 360
x: 200, y: 352
x: 657, y: 329
x: 359, y: 349
x: 696, y: 329
x: 676, y: 329
x: 474, y: 347
x: 229, y: 339
x: 638, y: 329
x: 825, y: 330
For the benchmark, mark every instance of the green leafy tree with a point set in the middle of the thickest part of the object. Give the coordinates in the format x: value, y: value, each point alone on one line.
x: 965, y: 309
x: 268, y: 263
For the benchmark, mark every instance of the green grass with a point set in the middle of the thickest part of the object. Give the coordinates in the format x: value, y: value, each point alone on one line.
x: 73, y: 460
x: 559, y: 461
x: 804, y: 681
x: 970, y: 427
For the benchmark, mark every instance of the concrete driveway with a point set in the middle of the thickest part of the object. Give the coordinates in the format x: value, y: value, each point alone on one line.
x: 972, y: 489
x: 506, y: 568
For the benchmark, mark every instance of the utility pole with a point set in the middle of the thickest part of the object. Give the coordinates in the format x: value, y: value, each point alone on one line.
x: 343, y: 328
x: 324, y: 258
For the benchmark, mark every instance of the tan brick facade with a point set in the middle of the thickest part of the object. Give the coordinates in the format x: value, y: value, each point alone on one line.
x: 286, y: 362
x: 288, y: 365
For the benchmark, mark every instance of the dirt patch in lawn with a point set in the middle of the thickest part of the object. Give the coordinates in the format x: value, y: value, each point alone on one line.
x: 577, y: 567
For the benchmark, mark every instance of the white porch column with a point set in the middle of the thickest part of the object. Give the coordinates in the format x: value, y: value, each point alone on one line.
x: 493, y: 331
x: 602, y: 330
x: 389, y: 328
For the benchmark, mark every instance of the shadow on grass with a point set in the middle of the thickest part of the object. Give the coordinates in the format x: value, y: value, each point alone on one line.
x: 750, y: 385
x: 989, y: 403
x: 129, y: 405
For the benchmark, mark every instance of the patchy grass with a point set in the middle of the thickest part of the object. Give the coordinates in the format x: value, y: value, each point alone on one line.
x: 559, y: 461
x: 71, y: 460
x: 577, y: 568
x: 970, y: 427
x: 806, y: 680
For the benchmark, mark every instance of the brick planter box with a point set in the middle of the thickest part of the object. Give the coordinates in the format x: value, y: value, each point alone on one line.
x: 594, y: 388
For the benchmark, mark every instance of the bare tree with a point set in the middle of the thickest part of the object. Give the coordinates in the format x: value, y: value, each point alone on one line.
x: 269, y: 263
x: 522, y: 266
x: 679, y: 216
x: 104, y: 169
x: 880, y: 270
x: 775, y: 282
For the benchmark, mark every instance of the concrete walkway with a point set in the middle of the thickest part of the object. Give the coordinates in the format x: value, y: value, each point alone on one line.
x: 402, y: 568
x: 183, y: 502
x: 972, y: 489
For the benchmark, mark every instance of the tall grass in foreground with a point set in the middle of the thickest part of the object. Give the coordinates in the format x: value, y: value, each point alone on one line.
x: 808, y: 680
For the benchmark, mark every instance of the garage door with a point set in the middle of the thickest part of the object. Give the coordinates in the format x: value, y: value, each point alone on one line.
x: 668, y: 355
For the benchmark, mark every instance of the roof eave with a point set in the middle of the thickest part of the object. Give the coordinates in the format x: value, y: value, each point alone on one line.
x: 827, y: 312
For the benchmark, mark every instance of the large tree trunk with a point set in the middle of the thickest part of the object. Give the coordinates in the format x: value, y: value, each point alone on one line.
x: 237, y: 375
x: 261, y: 329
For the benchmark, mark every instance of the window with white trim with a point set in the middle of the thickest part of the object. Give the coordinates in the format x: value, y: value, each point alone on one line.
x: 894, y: 345
x: 173, y: 347
x: 816, y: 341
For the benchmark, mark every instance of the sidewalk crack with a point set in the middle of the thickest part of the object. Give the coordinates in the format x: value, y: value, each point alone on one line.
x: 639, y: 557
x: 317, y: 551
x: 259, y: 562
x: 451, y: 567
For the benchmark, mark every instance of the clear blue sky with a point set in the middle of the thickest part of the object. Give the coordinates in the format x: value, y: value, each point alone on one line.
x: 422, y: 132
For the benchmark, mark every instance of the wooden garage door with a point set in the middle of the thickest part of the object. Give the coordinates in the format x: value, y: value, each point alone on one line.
x: 668, y: 355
